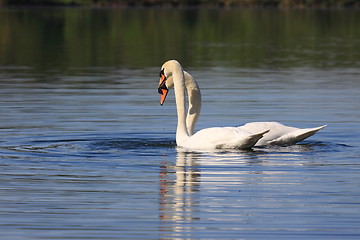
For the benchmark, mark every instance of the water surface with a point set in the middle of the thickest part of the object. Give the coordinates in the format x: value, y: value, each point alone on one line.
x: 87, y: 152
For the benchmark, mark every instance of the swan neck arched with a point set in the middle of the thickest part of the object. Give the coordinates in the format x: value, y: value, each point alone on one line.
x: 179, y: 88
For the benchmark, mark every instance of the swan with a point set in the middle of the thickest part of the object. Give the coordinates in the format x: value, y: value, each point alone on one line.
x: 251, y: 134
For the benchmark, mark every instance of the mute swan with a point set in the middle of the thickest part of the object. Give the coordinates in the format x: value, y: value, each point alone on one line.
x: 246, y: 136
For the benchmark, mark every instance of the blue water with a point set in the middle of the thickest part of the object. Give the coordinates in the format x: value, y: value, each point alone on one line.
x: 87, y: 152
x: 88, y: 159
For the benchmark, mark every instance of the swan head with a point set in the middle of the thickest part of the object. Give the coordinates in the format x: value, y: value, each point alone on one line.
x: 166, y: 79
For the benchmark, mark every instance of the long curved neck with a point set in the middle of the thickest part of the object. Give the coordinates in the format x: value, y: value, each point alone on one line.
x: 179, y: 89
x: 194, y: 97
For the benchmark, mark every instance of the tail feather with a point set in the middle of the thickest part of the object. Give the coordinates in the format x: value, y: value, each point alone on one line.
x: 296, y: 136
x: 252, y: 140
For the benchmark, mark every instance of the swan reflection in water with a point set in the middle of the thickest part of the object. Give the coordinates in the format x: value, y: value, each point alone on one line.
x: 181, y: 199
x: 177, y: 187
x: 228, y: 190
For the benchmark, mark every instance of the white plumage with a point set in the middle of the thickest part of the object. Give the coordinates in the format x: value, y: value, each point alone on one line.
x: 242, y: 137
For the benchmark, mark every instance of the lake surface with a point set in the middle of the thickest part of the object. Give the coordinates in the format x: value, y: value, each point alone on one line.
x: 87, y: 152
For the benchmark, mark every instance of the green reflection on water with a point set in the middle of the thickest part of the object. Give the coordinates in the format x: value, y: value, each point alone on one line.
x: 66, y: 38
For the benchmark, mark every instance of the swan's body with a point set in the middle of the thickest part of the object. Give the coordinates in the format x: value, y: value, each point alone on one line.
x: 246, y: 136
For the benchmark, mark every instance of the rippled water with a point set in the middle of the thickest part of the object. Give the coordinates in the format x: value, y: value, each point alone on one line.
x: 88, y: 153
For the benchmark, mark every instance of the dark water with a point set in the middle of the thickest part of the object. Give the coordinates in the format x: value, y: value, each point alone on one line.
x: 86, y: 152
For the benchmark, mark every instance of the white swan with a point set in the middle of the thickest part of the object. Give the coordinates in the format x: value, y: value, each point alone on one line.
x: 246, y: 136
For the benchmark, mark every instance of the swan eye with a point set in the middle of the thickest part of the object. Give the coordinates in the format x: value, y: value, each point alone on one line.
x: 162, y: 73
x: 162, y: 77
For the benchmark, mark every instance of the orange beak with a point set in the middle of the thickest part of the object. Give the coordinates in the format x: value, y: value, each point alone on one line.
x: 162, y: 89
x: 163, y: 95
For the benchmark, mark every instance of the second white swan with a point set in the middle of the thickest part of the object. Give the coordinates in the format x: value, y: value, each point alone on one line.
x: 242, y: 137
